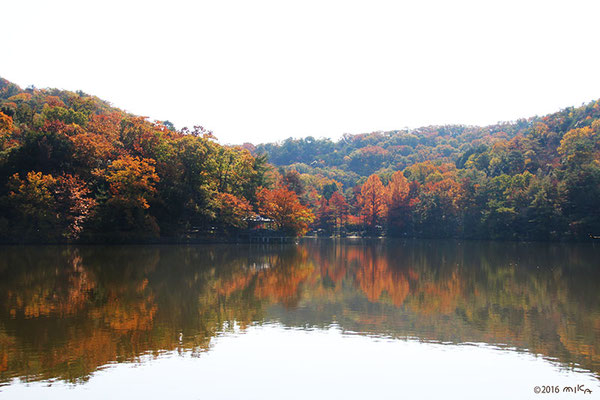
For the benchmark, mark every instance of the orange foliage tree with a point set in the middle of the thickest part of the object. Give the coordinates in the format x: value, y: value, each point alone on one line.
x: 233, y: 211
x: 398, y: 190
x: 132, y: 181
x: 62, y: 204
x: 5, y: 122
x: 33, y: 196
x: 132, y: 184
x: 373, y: 201
x: 339, y: 209
x: 282, y: 205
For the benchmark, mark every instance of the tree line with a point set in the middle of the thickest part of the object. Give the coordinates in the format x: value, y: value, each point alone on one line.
x: 72, y: 167
x: 535, y: 179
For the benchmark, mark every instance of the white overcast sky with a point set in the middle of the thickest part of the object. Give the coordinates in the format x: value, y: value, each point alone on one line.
x: 265, y: 70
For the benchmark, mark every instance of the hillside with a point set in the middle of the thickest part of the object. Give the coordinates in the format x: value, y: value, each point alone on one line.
x: 75, y: 168
x: 532, y: 179
x: 360, y: 155
x: 72, y: 167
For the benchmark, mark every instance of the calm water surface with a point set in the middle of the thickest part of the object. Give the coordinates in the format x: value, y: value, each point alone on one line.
x: 322, y: 319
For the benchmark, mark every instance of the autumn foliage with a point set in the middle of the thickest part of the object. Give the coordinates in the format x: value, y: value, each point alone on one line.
x: 373, y: 201
x: 282, y: 205
x: 74, y: 168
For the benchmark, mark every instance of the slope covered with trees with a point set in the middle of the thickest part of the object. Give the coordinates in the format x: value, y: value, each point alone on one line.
x: 533, y: 179
x: 74, y: 168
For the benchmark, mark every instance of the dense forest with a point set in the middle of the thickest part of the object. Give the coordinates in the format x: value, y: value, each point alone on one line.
x: 72, y: 167
x: 534, y: 179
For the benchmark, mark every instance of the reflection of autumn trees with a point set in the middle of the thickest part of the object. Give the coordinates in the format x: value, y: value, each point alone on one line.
x: 61, y: 293
x: 276, y: 277
x: 375, y: 277
x: 66, y: 311
x: 66, y: 320
x: 539, y: 297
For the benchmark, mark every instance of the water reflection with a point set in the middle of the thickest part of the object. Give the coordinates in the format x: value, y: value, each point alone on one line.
x: 67, y: 311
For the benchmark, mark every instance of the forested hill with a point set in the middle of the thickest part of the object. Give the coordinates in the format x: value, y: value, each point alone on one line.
x: 72, y: 167
x: 533, y: 179
x: 534, y: 140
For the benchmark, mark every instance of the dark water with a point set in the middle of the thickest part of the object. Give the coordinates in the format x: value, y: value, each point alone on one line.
x: 322, y: 319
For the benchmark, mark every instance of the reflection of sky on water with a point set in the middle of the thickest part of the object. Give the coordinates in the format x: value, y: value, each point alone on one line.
x: 273, y: 362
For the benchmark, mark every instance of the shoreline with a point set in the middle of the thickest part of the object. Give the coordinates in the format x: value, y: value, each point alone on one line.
x: 288, y: 240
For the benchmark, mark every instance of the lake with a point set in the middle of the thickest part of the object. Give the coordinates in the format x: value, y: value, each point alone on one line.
x: 320, y: 319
